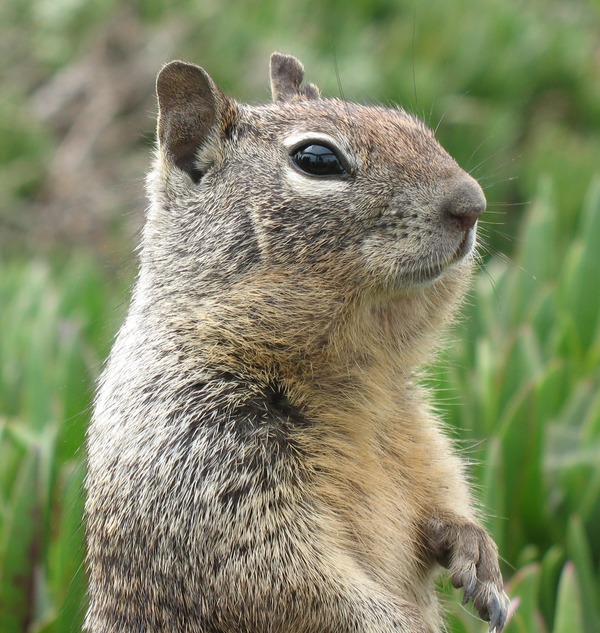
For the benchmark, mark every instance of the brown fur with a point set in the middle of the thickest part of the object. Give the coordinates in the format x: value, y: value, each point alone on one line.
x: 262, y: 456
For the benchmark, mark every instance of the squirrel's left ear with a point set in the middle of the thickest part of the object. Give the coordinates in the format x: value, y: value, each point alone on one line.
x: 287, y: 74
x: 192, y: 114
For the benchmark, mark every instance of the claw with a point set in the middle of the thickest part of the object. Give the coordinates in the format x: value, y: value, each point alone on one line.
x: 498, y: 612
x: 469, y: 588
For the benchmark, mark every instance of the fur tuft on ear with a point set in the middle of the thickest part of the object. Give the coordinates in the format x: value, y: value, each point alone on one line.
x: 190, y: 108
x: 287, y: 74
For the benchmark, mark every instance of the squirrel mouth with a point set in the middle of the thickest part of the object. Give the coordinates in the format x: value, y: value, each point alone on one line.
x: 466, y: 246
x: 430, y: 271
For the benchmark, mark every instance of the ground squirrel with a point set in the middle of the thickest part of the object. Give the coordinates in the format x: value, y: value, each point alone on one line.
x: 262, y: 456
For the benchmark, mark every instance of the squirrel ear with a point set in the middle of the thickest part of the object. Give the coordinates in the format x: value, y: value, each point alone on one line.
x: 190, y: 107
x: 287, y: 74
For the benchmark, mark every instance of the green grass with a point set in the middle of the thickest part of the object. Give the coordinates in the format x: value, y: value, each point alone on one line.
x: 56, y: 324
x: 520, y: 384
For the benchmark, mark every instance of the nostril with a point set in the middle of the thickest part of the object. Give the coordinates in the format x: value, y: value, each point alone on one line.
x: 464, y: 203
x: 465, y: 221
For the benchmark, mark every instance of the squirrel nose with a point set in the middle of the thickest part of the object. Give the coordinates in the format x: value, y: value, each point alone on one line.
x: 464, y: 203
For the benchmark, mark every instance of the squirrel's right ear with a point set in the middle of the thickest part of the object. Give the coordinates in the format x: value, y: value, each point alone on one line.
x: 192, y: 111
x: 287, y: 74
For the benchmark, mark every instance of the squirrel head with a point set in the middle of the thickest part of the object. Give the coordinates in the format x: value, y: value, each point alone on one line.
x: 301, y: 198
x: 306, y: 180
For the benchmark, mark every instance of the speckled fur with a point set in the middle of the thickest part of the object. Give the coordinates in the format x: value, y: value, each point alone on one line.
x: 262, y: 457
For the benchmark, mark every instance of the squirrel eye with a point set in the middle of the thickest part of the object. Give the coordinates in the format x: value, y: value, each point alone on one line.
x: 318, y: 160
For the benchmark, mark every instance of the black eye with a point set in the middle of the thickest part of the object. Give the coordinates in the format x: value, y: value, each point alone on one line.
x: 318, y: 160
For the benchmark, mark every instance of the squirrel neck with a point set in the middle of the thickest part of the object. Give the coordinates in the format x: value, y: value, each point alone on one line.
x: 304, y: 333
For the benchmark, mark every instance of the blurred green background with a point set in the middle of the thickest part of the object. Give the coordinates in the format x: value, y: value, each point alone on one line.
x: 513, y: 89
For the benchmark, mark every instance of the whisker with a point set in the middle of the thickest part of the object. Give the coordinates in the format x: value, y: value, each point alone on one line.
x: 413, y: 61
x: 435, y: 94
x: 437, y: 127
x: 478, y: 148
x: 508, y: 204
x: 486, y: 186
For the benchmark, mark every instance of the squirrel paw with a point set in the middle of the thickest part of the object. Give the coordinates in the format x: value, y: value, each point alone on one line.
x: 471, y: 556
